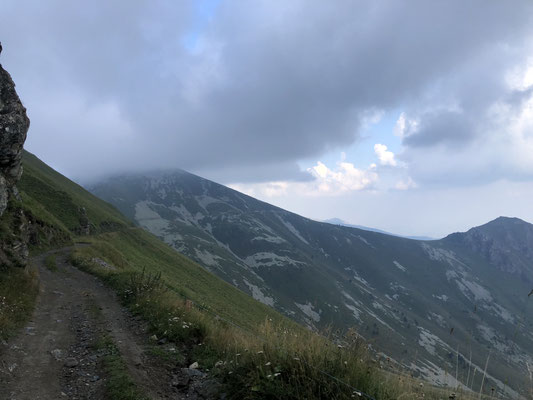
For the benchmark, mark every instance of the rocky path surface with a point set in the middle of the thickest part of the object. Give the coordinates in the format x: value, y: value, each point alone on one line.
x: 56, y: 356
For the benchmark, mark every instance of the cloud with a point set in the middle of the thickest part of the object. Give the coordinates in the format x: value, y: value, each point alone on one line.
x: 497, y: 146
x: 405, y: 126
x: 385, y: 156
x: 406, y: 184
x: 343, y: 179
x: 255, y: 87
x: 346, y: 177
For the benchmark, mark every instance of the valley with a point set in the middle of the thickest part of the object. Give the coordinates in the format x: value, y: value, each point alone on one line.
x: 438, y: 307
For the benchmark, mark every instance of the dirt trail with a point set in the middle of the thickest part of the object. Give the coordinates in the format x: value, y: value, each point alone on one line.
x: 54, y: 357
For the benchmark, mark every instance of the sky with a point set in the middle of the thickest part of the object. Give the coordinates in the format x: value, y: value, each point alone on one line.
x: 412, y: 116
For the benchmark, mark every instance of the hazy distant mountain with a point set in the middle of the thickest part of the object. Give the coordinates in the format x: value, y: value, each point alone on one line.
x: 430, y: 303
x: 338, y: 221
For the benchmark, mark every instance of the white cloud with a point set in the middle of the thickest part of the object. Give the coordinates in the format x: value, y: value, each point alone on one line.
x: 346, y: 177
x: 406, y: 184
x: 405, y: 126
x: 385, y: 156
x: 521, y: 76
x: 343, y: 179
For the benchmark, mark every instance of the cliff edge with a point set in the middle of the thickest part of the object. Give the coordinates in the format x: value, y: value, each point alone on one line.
x: 14, y: 124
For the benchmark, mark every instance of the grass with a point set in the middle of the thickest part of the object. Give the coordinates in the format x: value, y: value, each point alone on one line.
x: 119, y: 385
x: 48, y: 216
x: 50, y: 262
x: 18, y: 290
x: 273, y: 362
x: 253, y: 351
x: 59, y: 201
x: 272, y: 358
x: 133, y: 250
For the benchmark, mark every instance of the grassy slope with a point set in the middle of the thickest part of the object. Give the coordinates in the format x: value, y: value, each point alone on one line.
x: 57, y: 199
x: 279, y: 361
x: 134, y: 249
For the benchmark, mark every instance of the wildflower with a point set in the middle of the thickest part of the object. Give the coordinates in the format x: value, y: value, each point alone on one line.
x: 267, y: 364
x: 237, y: 355
x: 277, y: 374
x: 269, y: 376
x: 260, y: 352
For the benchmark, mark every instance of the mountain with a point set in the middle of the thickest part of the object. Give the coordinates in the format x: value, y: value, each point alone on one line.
x: 435, y: 307
x: 506, y: 243
x: 216, y: 322
x: 235, y: 347
x: 338, y: 221
x: 66, y: 212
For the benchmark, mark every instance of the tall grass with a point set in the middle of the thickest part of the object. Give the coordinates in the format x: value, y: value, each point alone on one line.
x: 269, y: 361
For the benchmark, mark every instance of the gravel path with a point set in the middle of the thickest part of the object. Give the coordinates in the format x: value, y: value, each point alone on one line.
x: 54, y: 357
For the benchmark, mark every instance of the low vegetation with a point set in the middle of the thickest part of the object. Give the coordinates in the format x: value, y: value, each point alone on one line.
x: 272, y: 358
x: 50, y: 262
x: 18, y: 290
x: 253, y: 351
x: 119, y: 385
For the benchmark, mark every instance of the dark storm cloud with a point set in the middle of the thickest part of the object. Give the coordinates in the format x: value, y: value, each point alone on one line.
x: 125, y: 85
x: 442, y: 127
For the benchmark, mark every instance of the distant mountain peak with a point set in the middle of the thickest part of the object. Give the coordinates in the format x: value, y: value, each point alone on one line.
x: 506, y: 242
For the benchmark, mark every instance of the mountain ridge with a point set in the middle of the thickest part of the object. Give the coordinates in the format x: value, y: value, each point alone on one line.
x: 394, y: 290
x: 495, y: 240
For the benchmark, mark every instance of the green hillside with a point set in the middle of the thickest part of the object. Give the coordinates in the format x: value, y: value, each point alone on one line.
x: 254, y: 351
x: 58, y: 200
x: 432, y: 306
x: 55, y: 202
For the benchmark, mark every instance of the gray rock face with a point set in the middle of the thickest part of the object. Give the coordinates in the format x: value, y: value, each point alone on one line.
x: 14, y: 124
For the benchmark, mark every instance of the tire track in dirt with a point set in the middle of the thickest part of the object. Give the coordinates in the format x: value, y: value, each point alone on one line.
x: 54, y: 357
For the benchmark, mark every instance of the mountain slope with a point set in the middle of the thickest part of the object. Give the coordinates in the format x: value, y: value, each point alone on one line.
x: 424, y: 303
x: 220, y: 327
x: 62, y: 209
x: 506, y: 243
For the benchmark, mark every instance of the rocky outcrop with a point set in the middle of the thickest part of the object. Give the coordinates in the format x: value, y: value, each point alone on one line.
x: 14, y: 124
x: 506, y: 243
